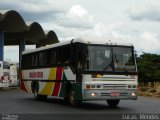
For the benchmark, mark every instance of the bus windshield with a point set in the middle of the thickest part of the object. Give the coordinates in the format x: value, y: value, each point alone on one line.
x: 5, y: 65
x: 110, y: 58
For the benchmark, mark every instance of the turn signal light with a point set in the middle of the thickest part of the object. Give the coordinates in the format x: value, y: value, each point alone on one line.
x: 88, y: 86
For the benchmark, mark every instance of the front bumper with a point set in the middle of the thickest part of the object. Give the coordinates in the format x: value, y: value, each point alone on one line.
x: 13, y: 84
x: 3, y: 85
x: 106, y: 94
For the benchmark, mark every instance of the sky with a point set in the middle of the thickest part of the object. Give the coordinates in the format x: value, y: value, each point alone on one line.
x: 133, y: 21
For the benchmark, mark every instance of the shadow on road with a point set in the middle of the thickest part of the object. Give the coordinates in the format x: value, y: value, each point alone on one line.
x: 83, y: 106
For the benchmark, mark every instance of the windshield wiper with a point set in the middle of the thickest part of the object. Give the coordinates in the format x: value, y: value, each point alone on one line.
x: 106, y: 67
x: 116, y: 59
x: 110, y: 64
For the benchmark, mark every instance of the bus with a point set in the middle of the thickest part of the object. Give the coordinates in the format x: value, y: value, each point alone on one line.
x: 8, y: 74
x: 13, y: 75
x: 4, y: 74
x: 81, y: 70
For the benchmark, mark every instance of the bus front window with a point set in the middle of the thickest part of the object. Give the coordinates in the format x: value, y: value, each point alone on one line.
x: 99, y: 57
x: 102, y: 58
x: 124, y: 59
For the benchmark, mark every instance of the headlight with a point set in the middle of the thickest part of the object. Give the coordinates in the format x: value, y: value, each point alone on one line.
x: 93, y: 94
x: 133, y: 94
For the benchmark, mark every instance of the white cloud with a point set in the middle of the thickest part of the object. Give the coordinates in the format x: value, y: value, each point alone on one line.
x: 116, y: 25
x: 76, y: 12
x: 71, y: 19
x: 149, y: 42
x: 31, y: 10
x: 77, y: 17
x: 146, y: 41
x: 145, y: 12
x: 148, y: 35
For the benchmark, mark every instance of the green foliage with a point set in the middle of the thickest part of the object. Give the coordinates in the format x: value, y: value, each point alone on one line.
x: 148, y: 67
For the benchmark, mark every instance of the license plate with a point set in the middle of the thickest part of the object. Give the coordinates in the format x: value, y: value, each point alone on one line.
x: 114, y: 94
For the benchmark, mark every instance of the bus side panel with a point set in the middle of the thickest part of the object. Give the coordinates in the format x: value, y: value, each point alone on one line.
x: 59, y: 76
x: 56, y: 86
x: 22, y: 83
x: 63, y: 86
x: 77, y: 87
x: 52, y: 88
x: 46, y: 88
x: 70, y: 78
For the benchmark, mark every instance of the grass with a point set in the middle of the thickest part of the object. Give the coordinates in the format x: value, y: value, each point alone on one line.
x: 149, y: 91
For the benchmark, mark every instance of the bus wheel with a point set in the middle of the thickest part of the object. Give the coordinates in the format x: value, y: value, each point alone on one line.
x: 42, y: 97
x: 35, y: 92
x: 38, y: 96
x: 113, y: 103
x: 71, y: 98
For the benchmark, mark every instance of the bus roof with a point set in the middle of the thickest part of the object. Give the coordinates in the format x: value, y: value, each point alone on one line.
x: 79, y: 40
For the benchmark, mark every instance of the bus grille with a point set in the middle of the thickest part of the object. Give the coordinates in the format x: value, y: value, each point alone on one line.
x: 119, y: 86
x: 108, y: 94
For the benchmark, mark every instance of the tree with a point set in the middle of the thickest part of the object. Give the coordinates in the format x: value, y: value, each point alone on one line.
x: 148, y: 67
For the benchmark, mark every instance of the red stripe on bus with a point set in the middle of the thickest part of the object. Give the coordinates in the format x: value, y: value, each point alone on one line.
x: 22, y: 86
x: 57, y: 84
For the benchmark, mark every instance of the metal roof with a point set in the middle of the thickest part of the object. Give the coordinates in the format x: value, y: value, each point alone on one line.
x: 16, y: 29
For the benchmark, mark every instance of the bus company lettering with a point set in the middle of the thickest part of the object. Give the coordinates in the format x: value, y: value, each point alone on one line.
x: 36, y: 75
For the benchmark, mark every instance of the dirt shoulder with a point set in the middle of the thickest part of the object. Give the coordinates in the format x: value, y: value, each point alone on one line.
x: 149, y: 91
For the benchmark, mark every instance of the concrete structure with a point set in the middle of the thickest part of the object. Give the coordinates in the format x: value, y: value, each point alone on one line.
x: 14, y: 31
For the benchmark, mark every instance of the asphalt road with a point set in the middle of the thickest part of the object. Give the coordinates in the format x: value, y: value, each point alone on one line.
x: 15, y: 101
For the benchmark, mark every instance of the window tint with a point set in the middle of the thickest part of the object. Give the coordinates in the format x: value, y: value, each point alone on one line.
x: 78, y: 56
x: 52, y: 57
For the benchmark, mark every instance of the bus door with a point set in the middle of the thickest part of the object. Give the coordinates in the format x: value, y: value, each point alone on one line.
x: 78, y: 60
x: 13, y: 75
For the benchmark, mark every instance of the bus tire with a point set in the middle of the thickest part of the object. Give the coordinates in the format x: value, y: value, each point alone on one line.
x: 66, y: 94
x: 36, y: 95
x: 42, y: 97
x: 113, y: 103
x: 35, y: 91
x: 71, y: 98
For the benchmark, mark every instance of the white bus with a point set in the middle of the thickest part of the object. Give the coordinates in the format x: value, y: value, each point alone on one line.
x: 4, y: 74
x: 13, y: 76
x: 8, y: 74
x: 81, y: 70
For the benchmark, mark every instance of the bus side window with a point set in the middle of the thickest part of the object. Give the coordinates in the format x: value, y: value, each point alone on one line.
x: 36, y: 60
x: 42, y: 58
x: 29, y: 61
x: 53, y: 57
x: 23, y: 62
x: 48, y: 57
x: 73, y: 55
x: 33, y: 60
x: 58, y: 60
x: 65, y: 57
